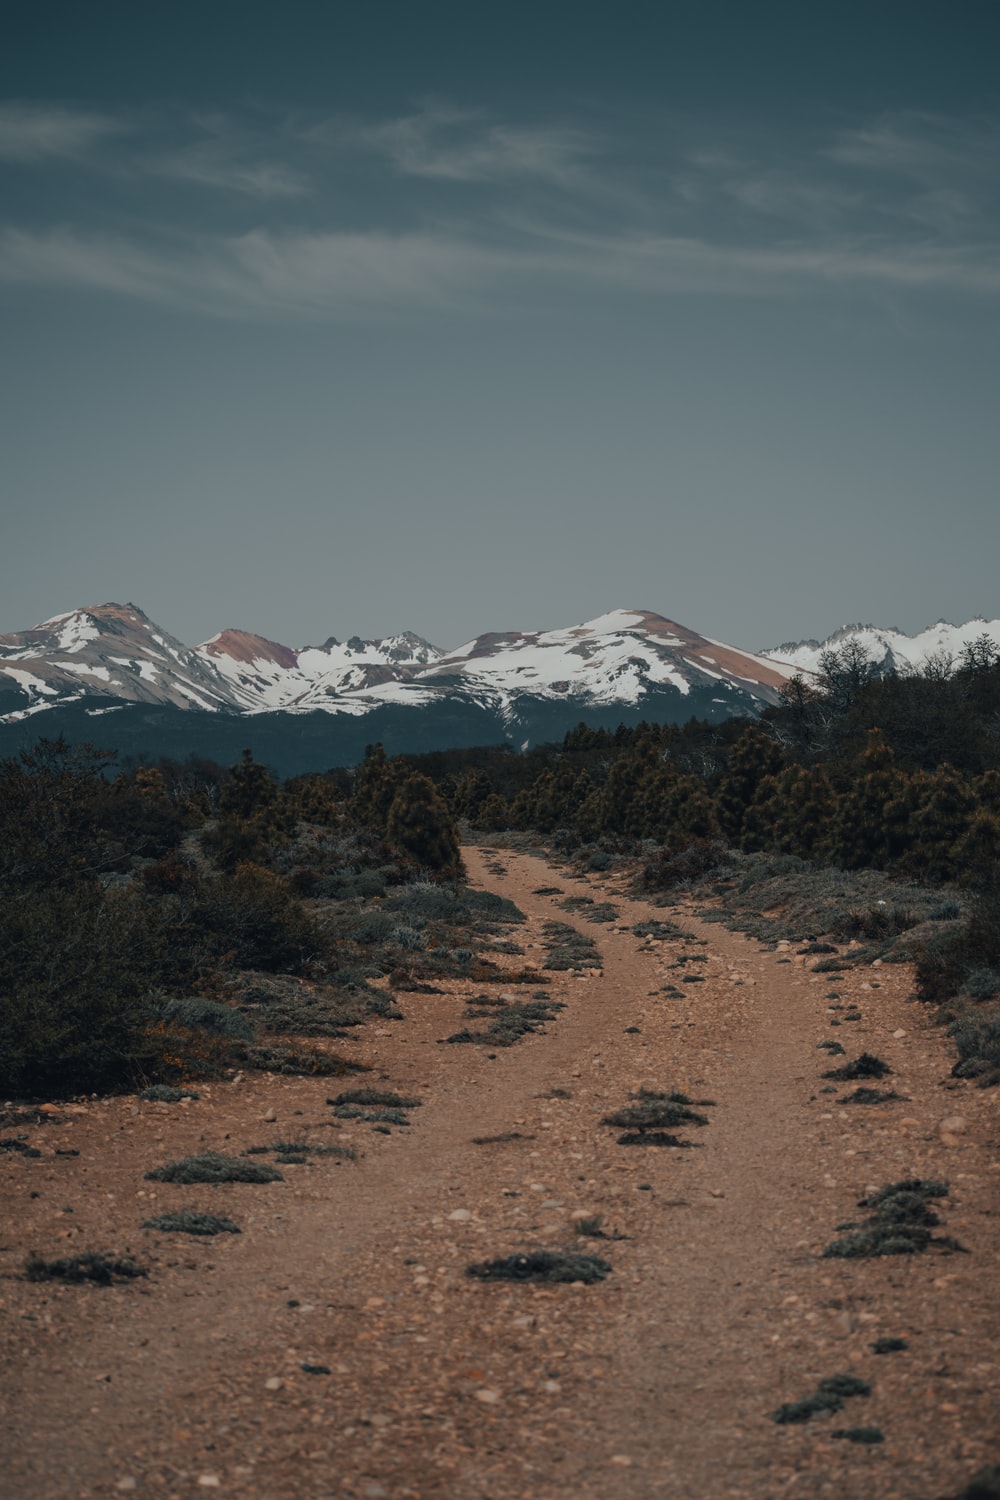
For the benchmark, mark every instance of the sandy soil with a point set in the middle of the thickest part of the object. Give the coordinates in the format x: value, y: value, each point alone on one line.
x: 658, y: 1381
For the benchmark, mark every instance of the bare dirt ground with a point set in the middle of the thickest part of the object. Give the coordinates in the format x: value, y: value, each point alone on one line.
x: 658, y: 1381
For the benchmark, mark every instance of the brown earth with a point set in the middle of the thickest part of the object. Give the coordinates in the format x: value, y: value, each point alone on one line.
x: 659, y: 1381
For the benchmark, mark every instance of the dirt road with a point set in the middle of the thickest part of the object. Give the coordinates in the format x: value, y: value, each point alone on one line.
x: 425, y: 1384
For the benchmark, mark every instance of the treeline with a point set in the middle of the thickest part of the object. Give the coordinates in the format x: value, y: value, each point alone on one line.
x: 132, y: 899
x: 899, y: 773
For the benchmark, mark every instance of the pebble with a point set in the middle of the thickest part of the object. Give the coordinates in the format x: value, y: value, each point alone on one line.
x: 899, y: 1033
x: 460, y: 1215
x: 953, y: 1125
x: 209, y: 1481
x: 128, y: 1483
x: 622, y: 1460
x: 269, y: 1115
x: 487, y: 1396
x: 274, y: 1383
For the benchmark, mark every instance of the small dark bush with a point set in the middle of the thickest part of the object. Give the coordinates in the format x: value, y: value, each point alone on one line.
x: 865, y: 1066
x: 883, y: 919
x: 374, y: 1116
x: 859, y: 1434
x: 10, y: 1143
x: 653, y: 1138
x: 977, y: 1040
x: 211, y: 1166
x: 542, y: 1265
x: 199, y: 1014
x: 458, y: 905
x: 702, y: 857
x: 829, y: 1395
x: 900, y: 1223
x: 383, y: 1097
x: 655, y: 1111
x: 165, y: 1093
x: 889, y: 1346
x: 982, y: 983
x: 511, y: 1023
x: 102, y: 1270
x: 190, y: 1221
x: 655, y: 929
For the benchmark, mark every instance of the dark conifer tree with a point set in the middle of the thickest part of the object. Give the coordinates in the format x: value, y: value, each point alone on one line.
x: 420, y: 824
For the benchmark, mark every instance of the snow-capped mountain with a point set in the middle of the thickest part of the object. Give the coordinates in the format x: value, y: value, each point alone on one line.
x: 617, y: 658
x: 114, y: 654
x: 892, y: 650
x: 262, y: 675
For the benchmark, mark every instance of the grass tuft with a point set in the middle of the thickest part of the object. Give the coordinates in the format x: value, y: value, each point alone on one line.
x: 542, y: 1265
x: 900, y: 1224
x: 212, y: 1166
x: 102, y: 1270
x: 190, y: 1221
x: 865, y: 1066
x: 829, y: 1395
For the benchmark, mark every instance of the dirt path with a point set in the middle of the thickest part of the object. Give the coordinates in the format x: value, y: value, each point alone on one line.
x: 658, y: 1381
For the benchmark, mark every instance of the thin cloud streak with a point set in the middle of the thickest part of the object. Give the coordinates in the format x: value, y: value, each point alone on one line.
x: 526, y: 218
x: 29, y: 133
x: 213, y: 166
x: 452, y: 145
x: 349, y: 276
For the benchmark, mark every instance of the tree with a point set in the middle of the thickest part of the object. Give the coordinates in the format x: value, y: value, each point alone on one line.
x: 420, y: 824
x: 753, y: 757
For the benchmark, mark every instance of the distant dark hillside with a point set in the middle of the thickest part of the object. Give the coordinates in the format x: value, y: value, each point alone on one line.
x: 295, y: 743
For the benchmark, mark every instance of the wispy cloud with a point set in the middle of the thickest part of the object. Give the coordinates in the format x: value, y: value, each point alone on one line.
x: 349, y: 275
x: 447, y: 209
x: 31, y: 132
x: 214, y: 165
x: 458, y: 146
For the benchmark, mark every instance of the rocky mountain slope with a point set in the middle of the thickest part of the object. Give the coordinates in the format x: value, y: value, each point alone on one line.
x: 114, y: 654
x: 894, y: 651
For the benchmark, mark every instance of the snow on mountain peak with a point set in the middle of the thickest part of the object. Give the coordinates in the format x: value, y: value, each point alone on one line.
x: 891, y: 648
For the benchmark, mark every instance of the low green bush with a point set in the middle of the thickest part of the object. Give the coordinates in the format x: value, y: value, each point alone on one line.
x: 213, y: 1167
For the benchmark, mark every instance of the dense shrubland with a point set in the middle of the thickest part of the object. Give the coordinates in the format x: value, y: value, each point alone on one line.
x: 855, y: 771
x: 159, y: 923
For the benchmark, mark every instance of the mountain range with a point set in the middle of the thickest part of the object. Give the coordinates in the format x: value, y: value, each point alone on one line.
x: 110, y: 675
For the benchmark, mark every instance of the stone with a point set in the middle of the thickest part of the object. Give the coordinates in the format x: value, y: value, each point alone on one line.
x: 953, y: 1125
x: 274, y: 1383
x: 487, y: 1396
x: 269, y: 1115
x: 460, y: 1215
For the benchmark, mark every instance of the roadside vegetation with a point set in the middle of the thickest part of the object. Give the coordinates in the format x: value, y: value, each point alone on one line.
x: 161, y: 924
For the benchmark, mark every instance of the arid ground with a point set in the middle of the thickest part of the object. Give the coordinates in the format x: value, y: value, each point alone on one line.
x: 337, y: 1346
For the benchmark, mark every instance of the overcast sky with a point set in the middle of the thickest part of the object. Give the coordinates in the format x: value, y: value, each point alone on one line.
x: 327, y: 319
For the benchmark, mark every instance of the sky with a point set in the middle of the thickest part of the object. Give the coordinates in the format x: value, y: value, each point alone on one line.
x: 342, y: 319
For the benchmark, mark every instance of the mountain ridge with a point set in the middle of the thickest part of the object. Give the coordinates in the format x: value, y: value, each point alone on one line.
x: 115, y: 652
x: 892, y: 649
